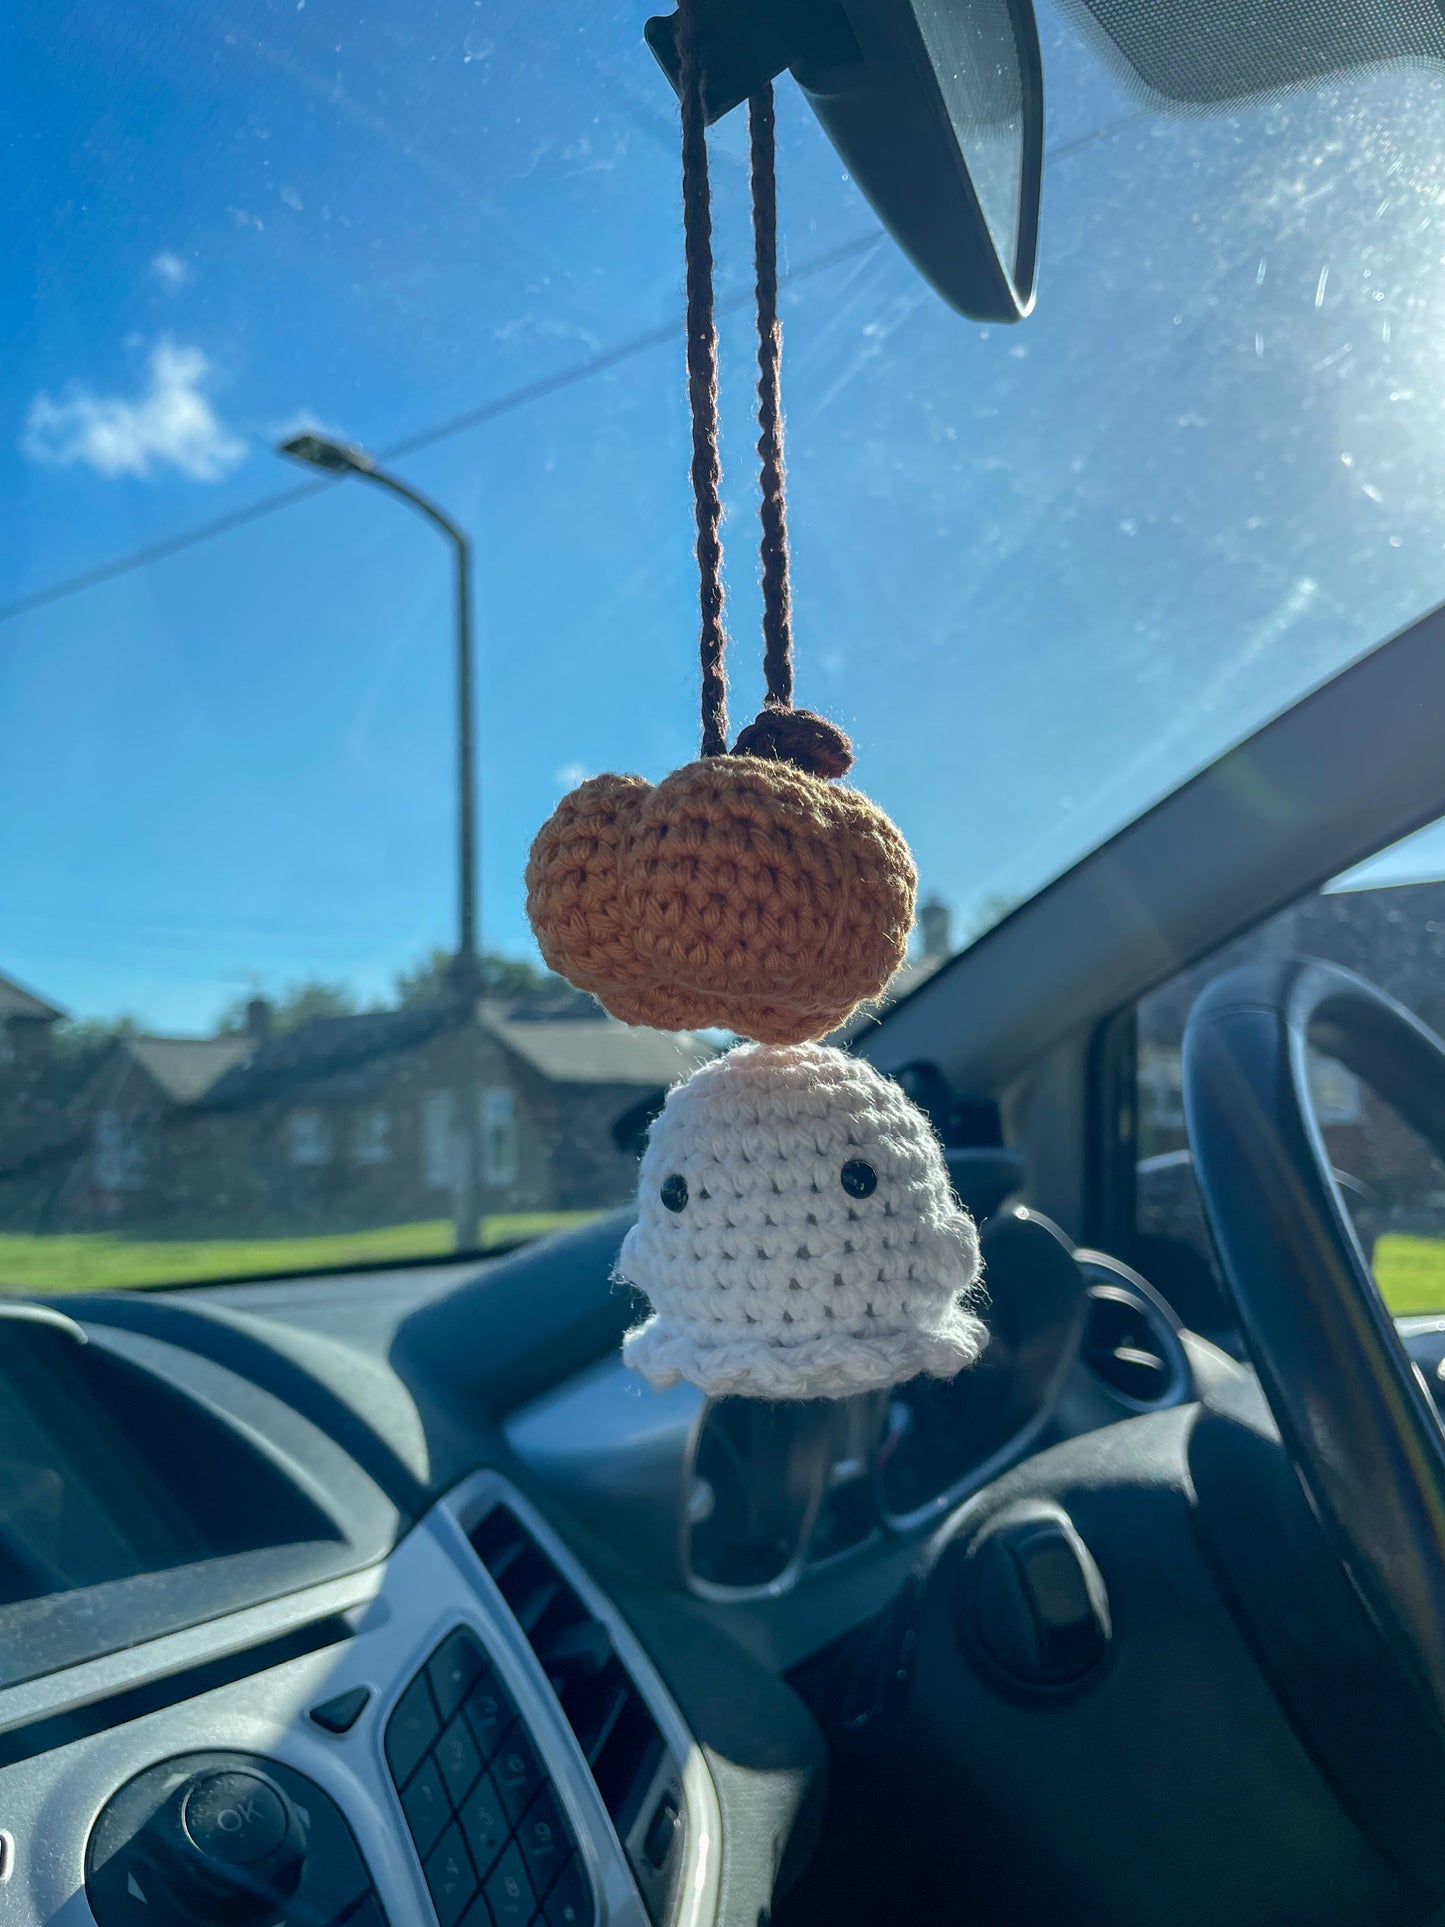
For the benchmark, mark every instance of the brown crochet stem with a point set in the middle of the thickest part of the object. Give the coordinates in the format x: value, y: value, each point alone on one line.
x: 777, y: 590
x: 702, y: 385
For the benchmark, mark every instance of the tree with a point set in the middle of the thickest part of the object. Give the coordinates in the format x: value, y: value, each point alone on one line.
x: 83, y: 1039
x: 80, y: 1045
x: 297, y: 1004
x: 505, y: 978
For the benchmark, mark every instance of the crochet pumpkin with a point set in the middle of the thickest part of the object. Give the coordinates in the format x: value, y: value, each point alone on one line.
x: 741, y: 892
x: 797, y: 1234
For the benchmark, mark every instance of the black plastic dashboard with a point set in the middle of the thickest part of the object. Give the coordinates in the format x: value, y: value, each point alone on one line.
x: 230, y: 1510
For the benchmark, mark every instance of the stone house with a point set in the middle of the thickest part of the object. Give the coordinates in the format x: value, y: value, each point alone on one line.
x: 31, y: 1097
x: 1395, y: 937
x: 352, y: 1122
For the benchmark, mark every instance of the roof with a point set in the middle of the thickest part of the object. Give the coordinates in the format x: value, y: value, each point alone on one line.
x: 187, y: 1067
x: 602, y: 1051
x: 352, y: 1055
x: 17, y: 1001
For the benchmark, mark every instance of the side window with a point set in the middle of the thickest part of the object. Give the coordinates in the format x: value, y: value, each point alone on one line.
x: 120, y: 1152
x: 371, y: 1137
x: 1391, y: 932
x: 309, y: 1135
x: 438, y: 1154
x: 499, y: 1136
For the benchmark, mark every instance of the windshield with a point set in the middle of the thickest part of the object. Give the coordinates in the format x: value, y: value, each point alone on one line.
x: 1043, y: 573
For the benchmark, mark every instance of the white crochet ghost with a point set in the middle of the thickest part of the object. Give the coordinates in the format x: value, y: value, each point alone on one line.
x: 797, y: 1234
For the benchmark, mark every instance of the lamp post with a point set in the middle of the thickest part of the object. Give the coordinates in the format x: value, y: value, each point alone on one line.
x: 464, y: 973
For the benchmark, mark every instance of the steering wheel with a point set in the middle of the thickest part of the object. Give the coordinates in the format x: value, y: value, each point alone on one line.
x: 1351, y: 1408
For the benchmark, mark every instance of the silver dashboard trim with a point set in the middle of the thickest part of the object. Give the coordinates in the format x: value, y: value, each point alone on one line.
x: 156, y: 1659
x: 1102, y: 1268
x: 698, y: 1888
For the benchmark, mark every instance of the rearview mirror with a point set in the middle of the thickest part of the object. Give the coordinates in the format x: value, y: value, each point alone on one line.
x: 935, y: 107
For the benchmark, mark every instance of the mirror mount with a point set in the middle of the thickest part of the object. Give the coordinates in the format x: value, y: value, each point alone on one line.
x: 934, y: 106
x: 743, y: 44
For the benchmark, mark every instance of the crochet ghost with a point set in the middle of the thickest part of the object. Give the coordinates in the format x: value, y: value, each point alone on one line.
x: 797, y: 1234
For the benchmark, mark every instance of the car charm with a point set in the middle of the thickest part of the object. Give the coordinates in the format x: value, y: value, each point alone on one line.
x: 798, y: 1235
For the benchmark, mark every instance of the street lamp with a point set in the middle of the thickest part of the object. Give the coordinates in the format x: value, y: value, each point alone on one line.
x: 339, y: 458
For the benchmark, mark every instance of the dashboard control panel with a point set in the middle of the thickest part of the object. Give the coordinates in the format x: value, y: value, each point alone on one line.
x: 493, y: 1840
x: 389, y: 1749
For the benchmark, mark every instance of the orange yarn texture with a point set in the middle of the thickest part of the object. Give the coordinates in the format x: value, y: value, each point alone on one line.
x: 738, y: 893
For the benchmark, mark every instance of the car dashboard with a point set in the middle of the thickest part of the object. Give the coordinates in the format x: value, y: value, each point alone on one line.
x: 393, y: 1597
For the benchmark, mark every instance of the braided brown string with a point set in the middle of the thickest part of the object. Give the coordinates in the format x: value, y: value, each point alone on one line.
x: 777, y: 590
x: 702, y: 384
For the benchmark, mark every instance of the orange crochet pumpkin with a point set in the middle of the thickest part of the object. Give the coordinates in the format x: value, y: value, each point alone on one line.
x: 741, y: 892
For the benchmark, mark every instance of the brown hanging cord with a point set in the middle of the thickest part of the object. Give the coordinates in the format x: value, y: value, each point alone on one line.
x: 780, y: 732
x: 702, y: 384
x: 777, y: 590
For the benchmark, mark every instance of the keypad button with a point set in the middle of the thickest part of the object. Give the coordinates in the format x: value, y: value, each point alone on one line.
x: 570, y: 1902
x: 517, y: 1773
x: 235, y: 1817
x: 479, y: 1914
x: 485, y: 1824
x: 452, y: 1669
x: 489, y: 1713
x: 459, y: 1760
x: 340, y: 1714
x: 450, y: 1877
x: 544, y: 1840
x: 426, y: 1806
x: 411, y: 1730
x: 509, y: 1891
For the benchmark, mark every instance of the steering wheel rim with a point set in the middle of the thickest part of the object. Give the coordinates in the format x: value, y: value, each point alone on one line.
x: 1350, y: 1406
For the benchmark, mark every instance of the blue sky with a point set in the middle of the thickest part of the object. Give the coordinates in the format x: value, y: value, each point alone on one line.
x: 1042, y: 573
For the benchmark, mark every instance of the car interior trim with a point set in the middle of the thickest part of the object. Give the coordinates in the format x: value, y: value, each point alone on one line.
x: 1131, y: 914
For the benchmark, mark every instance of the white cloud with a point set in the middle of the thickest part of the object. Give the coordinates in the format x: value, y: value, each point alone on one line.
x: 170, y: 270
x: 570, y: 775
x: 170, y: 424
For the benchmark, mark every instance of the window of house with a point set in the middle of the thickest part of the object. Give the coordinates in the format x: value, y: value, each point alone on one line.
x: 120, y: 1160
x: 1386, y: 922
x: 499, y: 1136
x: 371, y: 1137
x: 438, y: 1134
x: 310, y: 1138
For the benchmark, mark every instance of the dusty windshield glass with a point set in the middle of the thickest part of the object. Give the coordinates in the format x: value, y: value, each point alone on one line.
x: 1042, y: 573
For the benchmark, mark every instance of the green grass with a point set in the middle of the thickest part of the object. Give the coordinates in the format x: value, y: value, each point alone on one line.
x: 1411, y: 1272
x: 103, y: 1260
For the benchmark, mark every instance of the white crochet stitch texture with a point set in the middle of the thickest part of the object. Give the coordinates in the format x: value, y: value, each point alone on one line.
x: 770, y: 1273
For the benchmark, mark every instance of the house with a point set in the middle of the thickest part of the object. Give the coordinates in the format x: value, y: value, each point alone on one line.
x: 31, y: 1092
x: 1395, y: 937
x: 25, y: 1025
x: 352, y: 1121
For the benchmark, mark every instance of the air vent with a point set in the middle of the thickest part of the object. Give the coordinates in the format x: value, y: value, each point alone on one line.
x: 612, y: 1722
x: 1130, y: 1347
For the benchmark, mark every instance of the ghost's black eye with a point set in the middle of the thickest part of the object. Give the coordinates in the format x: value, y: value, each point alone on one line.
x: 674, y: 1191
x: 859, y: 1180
